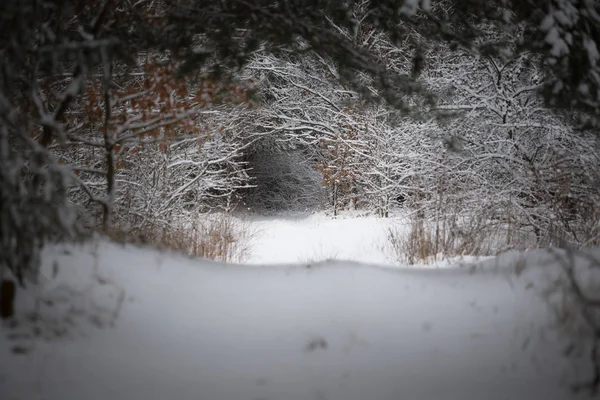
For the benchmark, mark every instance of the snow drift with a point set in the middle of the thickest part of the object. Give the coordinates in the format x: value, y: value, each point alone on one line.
x: 112, y: 322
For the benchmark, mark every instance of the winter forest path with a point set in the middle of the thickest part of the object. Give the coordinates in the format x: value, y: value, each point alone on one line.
x: 318, y: 237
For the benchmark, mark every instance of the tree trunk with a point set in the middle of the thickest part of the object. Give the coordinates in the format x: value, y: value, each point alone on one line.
x: 8, y: 291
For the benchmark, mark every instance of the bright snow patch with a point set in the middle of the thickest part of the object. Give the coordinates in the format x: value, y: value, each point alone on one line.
x: 309, y: 238
x: 317, y: 237
x: 130, y: 323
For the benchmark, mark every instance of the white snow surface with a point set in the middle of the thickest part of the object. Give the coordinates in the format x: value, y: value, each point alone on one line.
x: 317, y: 237
x: 118, y: 322
x: 309, y: 238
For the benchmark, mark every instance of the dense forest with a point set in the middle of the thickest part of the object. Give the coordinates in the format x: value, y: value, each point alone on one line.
x: 480, y: 118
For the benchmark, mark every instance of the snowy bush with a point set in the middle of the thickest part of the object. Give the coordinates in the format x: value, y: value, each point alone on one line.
x: 507, y: 161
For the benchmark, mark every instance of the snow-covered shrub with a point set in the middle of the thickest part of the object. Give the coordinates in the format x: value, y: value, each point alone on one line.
x: 305, y: 106
x: 187, y: 176
x: 169, y: 149
x: 506, y: 160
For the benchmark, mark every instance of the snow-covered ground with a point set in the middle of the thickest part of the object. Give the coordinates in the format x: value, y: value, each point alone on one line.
x: 317, y: 237
x: 306, y: 238
x: 117, y: 322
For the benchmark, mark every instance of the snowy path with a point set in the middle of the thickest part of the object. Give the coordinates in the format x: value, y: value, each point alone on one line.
x: 318, y: 237
x: 192, y: 329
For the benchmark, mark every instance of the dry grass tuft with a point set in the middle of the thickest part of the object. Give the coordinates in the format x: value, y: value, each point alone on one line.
x: 430, y: 241
x: 218, y: 237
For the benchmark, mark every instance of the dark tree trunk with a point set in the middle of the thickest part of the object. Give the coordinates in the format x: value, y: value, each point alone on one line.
x: 8, y: 291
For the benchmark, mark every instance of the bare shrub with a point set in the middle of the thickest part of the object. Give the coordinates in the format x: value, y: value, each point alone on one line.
x: 218, y: 237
